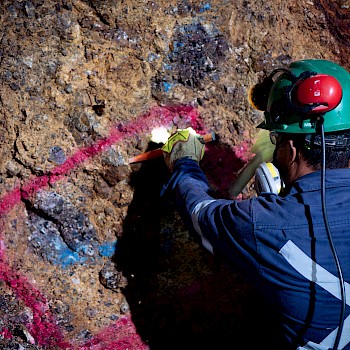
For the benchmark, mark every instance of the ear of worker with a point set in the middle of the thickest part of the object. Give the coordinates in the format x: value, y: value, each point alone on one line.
x: 183, y: 143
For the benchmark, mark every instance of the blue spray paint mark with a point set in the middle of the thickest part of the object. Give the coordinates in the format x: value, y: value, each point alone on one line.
x: 167, y: 86
x: 205, y: 7
x: 177, y: 46
x: 107, y: 249
x: 46, y: 240
x: 64, y: 257
x: 62, y: 234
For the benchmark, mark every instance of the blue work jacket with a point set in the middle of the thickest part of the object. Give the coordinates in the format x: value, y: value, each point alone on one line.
x: 282, y: 245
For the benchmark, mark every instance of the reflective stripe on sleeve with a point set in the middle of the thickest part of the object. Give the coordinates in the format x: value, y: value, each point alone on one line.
x: 194, y: 216
x: 316, y: 273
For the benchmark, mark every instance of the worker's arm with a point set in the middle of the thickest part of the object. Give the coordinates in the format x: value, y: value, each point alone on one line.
x: 182, y: 154
x: 215, y: 220
x: 190, y: 188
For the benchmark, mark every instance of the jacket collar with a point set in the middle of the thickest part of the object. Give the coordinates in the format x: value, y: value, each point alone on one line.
x: 312, y: 181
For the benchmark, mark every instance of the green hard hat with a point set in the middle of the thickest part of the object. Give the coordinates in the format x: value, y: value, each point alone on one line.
x: 302, y: 94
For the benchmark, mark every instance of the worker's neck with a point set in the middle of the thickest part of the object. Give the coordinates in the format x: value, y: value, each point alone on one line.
x: 298, y: 169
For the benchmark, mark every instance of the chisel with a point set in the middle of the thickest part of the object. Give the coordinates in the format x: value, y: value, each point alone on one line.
x: 159, y: 152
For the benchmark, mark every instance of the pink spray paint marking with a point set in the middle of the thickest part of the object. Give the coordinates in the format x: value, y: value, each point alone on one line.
x: 243, y: 152
x: 42, y: 327
x: 118, y: 336
x: 157, y: 116
x: 121, y: 335
x: 6, y: 334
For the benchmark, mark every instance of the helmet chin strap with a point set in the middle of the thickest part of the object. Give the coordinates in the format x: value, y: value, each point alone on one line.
x: 319, y: 124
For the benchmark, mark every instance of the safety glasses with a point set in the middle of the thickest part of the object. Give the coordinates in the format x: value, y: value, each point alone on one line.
x: 274, y: 137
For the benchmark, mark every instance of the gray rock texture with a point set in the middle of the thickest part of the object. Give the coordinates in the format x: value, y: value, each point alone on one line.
x: 90, y: 256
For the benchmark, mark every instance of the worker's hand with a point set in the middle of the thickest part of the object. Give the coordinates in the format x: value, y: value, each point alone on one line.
x: 184, y: 143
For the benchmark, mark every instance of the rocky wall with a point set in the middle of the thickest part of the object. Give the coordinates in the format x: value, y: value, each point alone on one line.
x: 90, y: 256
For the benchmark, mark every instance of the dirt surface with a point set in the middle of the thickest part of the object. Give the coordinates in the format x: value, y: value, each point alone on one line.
x: 90, y: 256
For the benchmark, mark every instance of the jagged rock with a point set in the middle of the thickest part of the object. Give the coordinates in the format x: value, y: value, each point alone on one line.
x: 85, y: 239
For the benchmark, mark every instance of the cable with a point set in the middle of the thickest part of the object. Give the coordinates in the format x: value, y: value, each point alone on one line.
x: 340, y: 273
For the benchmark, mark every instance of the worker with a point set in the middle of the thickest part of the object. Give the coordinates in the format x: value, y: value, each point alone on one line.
x: 294, y: 246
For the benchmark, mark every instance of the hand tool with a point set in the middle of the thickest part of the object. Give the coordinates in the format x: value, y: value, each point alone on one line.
x: 158, y: 152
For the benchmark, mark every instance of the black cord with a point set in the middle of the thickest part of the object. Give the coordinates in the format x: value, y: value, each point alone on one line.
x: 340, y: 273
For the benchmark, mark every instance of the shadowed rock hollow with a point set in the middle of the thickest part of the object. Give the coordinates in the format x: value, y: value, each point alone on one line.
x: 90, y: 256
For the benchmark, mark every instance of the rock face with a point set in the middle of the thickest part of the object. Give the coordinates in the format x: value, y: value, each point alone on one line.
x: 90, y: 256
